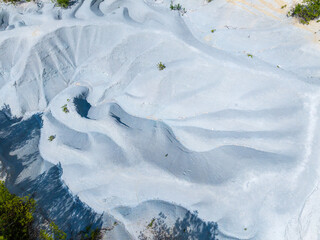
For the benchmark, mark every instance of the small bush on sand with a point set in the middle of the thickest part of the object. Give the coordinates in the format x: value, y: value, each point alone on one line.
x: 177, y: 7
x: 306, y: 11
x: 51, y: 138
x: 151, y: 223
x: 161, y: 66
x: 65, y: 108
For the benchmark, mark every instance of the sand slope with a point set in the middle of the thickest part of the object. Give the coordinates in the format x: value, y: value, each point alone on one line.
x: 230, y: 135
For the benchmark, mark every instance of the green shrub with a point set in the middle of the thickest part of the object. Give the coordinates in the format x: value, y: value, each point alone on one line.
x: 65, y: 108
x: 161, y: 66
x: 63, y: 3
x: 53, y: 233
x: 306, y: 11
x: 16, y: 215
x: 250, y: 55
x: 50, y: 139
x: 90, y: 234
x: 11, y: 1
x: 14, y: 2
x: 151, y: 223
x: 177, y: 7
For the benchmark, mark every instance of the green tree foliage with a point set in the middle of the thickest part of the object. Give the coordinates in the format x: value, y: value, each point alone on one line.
x: 11, y: 1
x: 15, y: 215
x: 53, y: 233
x: 306, y: 11
x: 60, y: 3
x: 17, y: 221
x: 63, y: 3
x: 90, y: 233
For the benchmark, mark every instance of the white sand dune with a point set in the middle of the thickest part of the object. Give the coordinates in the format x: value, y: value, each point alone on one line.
x: 231, y: 136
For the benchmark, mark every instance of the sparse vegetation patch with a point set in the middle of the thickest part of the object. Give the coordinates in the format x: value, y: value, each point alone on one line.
x: 151, y: 223
x: 63, y: 3
x: 65, y: 108
x: 11, y: 1
x: 60, y: 3
x: 161, y: 66
x: 53, y: 233
x: 51, y: 138
x: 306, y: 11
x: 187, y: 227
x: 90, y: 233
x: 177, y: 7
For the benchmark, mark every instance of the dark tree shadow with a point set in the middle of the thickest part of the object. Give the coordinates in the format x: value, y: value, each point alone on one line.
x: 82, y: 105
x: 55, y: 202
x: 190, y: 227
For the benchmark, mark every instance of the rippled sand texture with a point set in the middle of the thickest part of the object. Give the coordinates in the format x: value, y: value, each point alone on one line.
x: 230, y: 135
